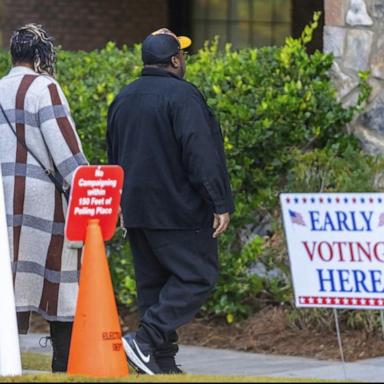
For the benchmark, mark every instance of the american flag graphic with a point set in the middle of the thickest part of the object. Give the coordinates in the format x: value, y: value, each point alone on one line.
x: 381, y: 220
x: 296, y: 218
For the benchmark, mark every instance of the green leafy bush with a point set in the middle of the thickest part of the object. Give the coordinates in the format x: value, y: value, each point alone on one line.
x: 283, y: 131
x: 122, y: 273
x: 91, y: 80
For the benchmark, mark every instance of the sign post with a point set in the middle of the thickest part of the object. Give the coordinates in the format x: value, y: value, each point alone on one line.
x: 10, y: 362
x: 382, y: 323
x: 340, y: 342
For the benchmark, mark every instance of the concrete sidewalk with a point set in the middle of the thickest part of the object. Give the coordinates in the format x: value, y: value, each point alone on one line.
x: 206, y: 361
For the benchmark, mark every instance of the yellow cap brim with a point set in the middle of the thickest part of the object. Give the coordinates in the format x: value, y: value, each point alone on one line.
x: 184, y: 41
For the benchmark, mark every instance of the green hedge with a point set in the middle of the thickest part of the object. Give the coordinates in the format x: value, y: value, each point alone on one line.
x: 282, y: 125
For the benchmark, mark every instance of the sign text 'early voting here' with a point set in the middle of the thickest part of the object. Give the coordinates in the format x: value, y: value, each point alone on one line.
x: 336, y: 248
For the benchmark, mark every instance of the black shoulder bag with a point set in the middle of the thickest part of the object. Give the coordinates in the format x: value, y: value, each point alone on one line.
x: 48, y: 172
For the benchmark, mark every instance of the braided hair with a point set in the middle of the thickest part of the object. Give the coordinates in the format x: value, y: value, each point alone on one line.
x: 32, y: 44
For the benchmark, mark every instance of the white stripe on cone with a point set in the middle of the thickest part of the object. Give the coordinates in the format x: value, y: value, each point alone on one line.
x: 10, y: 362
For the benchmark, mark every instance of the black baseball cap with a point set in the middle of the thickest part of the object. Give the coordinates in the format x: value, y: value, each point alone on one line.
x: 161, y: 45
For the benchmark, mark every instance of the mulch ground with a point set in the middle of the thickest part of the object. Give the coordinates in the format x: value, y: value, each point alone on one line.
x: 268, y: 331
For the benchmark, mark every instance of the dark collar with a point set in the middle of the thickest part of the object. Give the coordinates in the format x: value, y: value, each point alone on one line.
x: 151, y: 71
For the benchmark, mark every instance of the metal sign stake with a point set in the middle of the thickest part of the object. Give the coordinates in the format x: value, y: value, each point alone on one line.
x: 340, y: 343
x: 382, y: 322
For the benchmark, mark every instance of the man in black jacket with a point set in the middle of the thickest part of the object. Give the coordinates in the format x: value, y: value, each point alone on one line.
x: 176, y: 199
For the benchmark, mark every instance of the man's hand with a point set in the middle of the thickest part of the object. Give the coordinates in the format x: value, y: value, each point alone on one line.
x: 220, y: 223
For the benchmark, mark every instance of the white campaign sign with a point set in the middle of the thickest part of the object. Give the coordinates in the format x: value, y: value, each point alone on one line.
x: 336, y: 248
x: 10, y: 362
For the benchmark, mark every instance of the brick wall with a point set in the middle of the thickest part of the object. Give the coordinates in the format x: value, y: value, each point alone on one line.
x: 86, y: 24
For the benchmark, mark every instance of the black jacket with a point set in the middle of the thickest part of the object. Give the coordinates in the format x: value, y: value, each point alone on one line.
x: 161, y: 131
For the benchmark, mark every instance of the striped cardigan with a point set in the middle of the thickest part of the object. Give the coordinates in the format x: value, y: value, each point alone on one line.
x: 45, y: 269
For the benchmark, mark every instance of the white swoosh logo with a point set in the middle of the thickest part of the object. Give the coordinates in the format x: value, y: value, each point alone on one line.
x: 143, y: 357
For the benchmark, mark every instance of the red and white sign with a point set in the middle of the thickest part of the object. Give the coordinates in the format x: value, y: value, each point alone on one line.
x: 95, y: 194
x: 336, y: 248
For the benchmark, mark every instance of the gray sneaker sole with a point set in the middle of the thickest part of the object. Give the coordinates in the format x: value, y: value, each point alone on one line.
x: 132, y: 357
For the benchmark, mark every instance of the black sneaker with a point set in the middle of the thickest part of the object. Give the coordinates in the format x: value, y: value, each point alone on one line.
x: 170, y: 369
x: 168, y: 366
x: 140, y: 356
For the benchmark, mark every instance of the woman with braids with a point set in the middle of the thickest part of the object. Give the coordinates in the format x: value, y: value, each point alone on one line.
x: 45, y: 268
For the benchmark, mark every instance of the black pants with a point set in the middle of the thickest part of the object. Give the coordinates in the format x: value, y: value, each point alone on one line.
x: 175, y: 273
x: 60, y: 333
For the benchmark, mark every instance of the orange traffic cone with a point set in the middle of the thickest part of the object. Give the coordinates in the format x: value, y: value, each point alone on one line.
x: 96, y: 347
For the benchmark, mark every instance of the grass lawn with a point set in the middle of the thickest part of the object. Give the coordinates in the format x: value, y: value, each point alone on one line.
x: 38, y: 362
x: 133, y: 378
